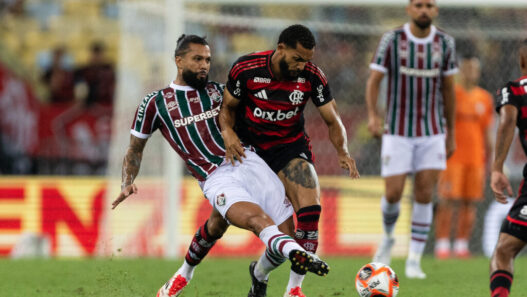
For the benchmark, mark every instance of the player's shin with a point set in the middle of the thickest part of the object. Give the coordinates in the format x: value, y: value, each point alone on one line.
x: 201, y: 244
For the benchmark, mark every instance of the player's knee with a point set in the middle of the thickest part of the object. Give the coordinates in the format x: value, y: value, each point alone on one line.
x: 256, y: 223
x: 394, y: 195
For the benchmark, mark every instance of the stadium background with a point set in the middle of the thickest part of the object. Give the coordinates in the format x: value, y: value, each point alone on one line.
x: 60, y: 161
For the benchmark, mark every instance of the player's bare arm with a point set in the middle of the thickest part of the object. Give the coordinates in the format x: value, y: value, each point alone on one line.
x: 131, y: 164
x: 507, y: 123
x: 337, y: 135
x: 372, y: 93
x: 227, y: 118
x: 449, y: 98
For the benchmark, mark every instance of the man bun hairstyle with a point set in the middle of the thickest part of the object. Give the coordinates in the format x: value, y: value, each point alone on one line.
x: 184, y: 41
x: 291, y: 35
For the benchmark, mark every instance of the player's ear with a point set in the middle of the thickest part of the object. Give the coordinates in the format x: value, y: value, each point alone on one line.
x: 179, y: 61
x: 281, y: 47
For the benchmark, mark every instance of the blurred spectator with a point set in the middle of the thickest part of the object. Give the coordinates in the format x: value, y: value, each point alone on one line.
x: 58, y: 78
x: 98, y: 76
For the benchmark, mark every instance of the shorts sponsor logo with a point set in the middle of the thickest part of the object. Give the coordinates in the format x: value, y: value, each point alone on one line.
x: 523, y: 212
x: 220, y: 199
x: 274, y: 116
x: 287, y: 203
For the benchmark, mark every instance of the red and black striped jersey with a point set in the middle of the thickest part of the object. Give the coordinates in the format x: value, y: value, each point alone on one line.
x: 188, y: 120
x: 515, y: 93
x: 271, y: 111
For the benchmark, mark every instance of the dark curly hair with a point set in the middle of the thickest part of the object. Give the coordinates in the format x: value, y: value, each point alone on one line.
x: 297, y: 33
x: 184, y: 41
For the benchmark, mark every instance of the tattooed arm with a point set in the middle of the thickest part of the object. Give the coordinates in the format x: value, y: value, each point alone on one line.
x: 131, y: 164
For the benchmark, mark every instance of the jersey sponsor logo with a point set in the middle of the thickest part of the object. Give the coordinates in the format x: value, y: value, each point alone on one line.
x: 320, y: 95
x: 301, y: 80
x: 262, y: 95
x: 262, y: 80
x: 523, y: 213
x: 419, y: 72
x: 168, y: 94
x: 237, y: 91
x: 172, y: 105
x: 197, y: 118
x: 296, y: 97
x: 274, y: 116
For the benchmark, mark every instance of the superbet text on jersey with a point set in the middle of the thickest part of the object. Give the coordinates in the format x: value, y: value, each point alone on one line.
x: 272, y: 110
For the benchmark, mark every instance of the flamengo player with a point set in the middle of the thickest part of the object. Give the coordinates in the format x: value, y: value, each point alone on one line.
x: 264, y: 101
x: 511, y: 104
x: 419, y: 61
x: 248, y: 195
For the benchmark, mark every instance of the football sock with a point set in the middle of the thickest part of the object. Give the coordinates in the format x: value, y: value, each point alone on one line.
x: 460, y: 245
x: 186, y: 270
x: 500, y: 283
x: 200, y: 246
x: 277, y: 242
x: 295, y: 280
x: 307, y: 227
x: 390, y: 213
x: 267, y: 263
x: 421, y: 220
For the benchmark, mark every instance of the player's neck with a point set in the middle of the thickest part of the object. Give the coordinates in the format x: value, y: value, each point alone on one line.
x: 180, y: 81
x: 419, y: 32
x: 468, y: 86
x: 275, y: 67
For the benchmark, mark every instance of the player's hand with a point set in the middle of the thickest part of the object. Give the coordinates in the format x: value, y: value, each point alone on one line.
x: 233, y: 147
x: 450, y: 144
x: 375, y: 126
x: 347, y: 162
x: 125, y: 192
x: 499, y: 183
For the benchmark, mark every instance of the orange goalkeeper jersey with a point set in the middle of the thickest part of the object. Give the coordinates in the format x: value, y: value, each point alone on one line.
x: 474, y: 114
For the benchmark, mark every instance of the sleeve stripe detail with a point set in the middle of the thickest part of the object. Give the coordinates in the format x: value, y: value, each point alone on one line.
x: 312, y: 68
x: 378, y: 67
x: 249, y: 67
x: 139, y: 134
x: 242, y: 65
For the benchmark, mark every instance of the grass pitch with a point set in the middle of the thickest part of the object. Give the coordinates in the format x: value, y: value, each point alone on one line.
x: 230, y: 277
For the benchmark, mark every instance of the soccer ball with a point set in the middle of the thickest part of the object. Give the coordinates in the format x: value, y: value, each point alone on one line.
x: 376, y: 280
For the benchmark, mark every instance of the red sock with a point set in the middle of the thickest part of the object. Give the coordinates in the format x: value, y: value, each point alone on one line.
x: 500, y: 283
x: 307, y: 228
x: 200, y: 246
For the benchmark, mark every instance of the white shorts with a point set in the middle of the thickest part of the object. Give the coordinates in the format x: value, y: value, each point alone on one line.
x: 251, y: 181
x: 400, y: 155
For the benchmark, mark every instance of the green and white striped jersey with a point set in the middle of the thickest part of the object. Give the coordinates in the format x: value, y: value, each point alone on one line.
x: 415, y: 68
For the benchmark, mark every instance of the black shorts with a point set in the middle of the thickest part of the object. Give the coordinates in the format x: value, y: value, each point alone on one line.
x: 277, y: 157
x: 516, y: 222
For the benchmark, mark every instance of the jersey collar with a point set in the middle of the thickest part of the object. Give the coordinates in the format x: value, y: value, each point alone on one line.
x: 426, y: 39
x: 180, y: 87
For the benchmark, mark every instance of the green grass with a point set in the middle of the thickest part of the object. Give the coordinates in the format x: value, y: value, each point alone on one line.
x: 229, y: 277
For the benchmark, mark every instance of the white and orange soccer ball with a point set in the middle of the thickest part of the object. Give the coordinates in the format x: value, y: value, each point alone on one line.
x: 376, y: 280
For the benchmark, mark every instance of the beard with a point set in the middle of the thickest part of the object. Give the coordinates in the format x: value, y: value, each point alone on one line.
x: 192, y: 79
x: 423, y: 23
x: 286, y: 73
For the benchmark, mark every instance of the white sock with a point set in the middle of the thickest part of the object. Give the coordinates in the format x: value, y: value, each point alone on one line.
x: 295, y: 280
x: 186, y: 271
x: 442, y: 244
x: 421, y: 219
x: 277, y: 242
x: 460, y: 245
x: 267, y: 263
x: 390, y: 213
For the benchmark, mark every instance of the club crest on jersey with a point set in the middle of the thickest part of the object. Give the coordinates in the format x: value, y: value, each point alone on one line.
x: 214, y: 94
x: 296, y: 97
x: 172, y: 105
x: 168, y: 94
x: 220, y: 199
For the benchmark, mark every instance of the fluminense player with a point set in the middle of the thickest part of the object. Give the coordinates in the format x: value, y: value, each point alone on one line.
x: 511, y: 104
x: 248, y: 195
x: 419, y: 61
x: 263, y: 106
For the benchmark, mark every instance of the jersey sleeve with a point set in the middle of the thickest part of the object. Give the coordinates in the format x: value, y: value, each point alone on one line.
x: 235, y: 82
x: 382, y: 58
x: 506, y: 96
x: 145, y: 119
x: 450, y: 61
x: 320, y: 92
